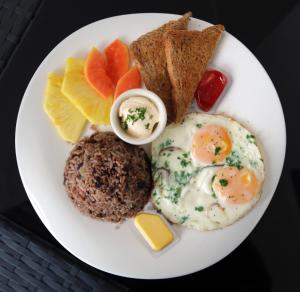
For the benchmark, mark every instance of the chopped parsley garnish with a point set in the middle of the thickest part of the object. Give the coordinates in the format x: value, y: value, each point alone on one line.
x: 184, y: 163
x: 147, y: 126
x: 154, y: 166
x: 251, y: 139
x: 183, y: 219
x: 182, y: 177
x: 199, y: 208
x: 166, y: 144
x: 153, y: 163
x: 157, y: 201
x: 198, y: 125
x: 213, y: 192
x: 133, y: 116
x: 234, y: 160
x: 140, y: 112
x: 167, y: 164
x: 184, y: 159
x: 223, y: 182
x: 217, y: 150
x: 174, y: 194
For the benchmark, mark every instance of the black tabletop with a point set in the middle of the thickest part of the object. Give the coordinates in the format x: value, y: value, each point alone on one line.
x: 269, y: 259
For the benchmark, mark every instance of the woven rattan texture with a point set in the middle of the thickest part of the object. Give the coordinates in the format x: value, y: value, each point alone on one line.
x: 29, y: 264
x: 15, y: 17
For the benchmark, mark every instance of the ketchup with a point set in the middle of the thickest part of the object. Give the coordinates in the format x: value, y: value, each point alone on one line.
x: 209, y: 89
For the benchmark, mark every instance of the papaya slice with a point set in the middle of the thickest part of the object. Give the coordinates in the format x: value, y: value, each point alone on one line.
x: 117, y: 60
x: 130, y: 80
x: 95, y: 74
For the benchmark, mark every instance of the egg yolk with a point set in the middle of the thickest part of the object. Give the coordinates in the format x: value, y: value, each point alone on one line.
x: 234, y: 185
x: 211, y: 144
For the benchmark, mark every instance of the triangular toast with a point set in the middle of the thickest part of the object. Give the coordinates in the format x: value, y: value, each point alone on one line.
x: 188, y: 54
x: 149, y: 54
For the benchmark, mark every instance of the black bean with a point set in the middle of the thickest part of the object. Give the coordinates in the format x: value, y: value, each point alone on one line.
x: 140, y: 184
x: 79, y: 165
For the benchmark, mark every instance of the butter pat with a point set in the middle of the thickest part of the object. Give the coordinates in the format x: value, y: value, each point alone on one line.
x: 154, y: 230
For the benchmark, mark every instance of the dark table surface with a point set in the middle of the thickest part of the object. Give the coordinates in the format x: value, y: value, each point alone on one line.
x: 269, y: 259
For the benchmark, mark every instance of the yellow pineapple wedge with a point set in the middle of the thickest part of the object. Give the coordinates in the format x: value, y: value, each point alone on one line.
x: 94, y: 107
x: 67, y: 119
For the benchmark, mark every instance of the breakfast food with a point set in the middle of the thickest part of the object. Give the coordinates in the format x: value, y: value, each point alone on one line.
x: 154, y: 230
x: 106, y: 178
x: 208, y: 171
x: 66, y: 118
x: 95, y: 74
x: 117, y: 57
x: 138, y: 116
x: 187, y: 55
x: 94, y: 107
x: 130, y: 80
x: 148, y: 53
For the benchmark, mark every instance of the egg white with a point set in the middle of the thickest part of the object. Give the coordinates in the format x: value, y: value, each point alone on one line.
x: 183, y: 187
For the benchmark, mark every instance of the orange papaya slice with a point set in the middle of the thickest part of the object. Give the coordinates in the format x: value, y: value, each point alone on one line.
x: 117, y: 60
x: 95, y: 74
x: 130, y: 80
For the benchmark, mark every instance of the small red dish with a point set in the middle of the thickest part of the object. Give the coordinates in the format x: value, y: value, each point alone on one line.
x: 210, y: 88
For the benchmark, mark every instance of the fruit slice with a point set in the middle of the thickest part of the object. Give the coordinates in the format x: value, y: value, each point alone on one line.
x: 67, y: 119
x: 95, y: 74
x: 130, y: 80
x: 94, y: 107
x: 117, y: 60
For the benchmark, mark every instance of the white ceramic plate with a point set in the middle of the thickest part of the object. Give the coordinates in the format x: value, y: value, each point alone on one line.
x: 41, y: 154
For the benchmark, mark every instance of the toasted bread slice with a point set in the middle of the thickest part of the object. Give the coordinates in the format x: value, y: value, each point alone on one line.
x: 188, y: 54
x: 149, y: 55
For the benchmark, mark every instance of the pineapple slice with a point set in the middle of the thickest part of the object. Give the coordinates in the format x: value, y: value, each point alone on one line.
x: 67, y: 119
x: 95, y: 108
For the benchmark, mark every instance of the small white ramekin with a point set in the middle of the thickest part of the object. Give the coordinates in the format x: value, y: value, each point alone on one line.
x: 115, y: 120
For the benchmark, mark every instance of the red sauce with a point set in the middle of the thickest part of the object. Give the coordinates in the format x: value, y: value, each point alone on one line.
x: 209, y: 89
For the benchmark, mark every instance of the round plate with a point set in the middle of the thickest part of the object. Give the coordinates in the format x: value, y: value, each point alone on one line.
x: 251, y: 99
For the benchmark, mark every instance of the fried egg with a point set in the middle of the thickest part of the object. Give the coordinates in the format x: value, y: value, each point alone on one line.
x: 208, y: 171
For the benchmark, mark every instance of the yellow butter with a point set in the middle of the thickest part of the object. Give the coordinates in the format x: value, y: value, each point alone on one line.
x: 154, y: 230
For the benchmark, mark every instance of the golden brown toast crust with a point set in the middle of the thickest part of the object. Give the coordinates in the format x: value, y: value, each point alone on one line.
x: 149, y: 54
x: 188, y: 54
